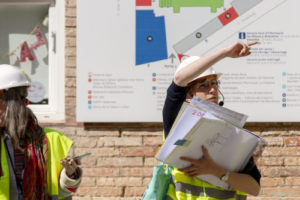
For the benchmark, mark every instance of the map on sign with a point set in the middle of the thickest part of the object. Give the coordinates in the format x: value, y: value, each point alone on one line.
x: 127, y: 53
x: 149, y: 26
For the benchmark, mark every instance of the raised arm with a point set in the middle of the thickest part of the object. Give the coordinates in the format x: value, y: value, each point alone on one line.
x: 236, y: 50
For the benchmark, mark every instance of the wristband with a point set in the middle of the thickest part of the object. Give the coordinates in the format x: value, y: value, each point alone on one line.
x: 225, y: 176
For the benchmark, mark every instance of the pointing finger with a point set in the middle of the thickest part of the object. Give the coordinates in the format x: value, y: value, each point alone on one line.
x: 204, y: 150
x: 252, y: 43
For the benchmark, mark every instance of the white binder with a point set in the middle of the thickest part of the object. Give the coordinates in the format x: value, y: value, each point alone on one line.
x: 229, y: 146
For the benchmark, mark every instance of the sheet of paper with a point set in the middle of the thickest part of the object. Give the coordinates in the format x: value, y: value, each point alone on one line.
x: 184, y: 122
x: 235, y: 118
x: 228, y: 146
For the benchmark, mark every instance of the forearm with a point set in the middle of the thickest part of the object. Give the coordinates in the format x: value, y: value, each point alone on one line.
x: 206, y: 165
x: 244, y: 183
x: 183, y: 77
x: 239, y: 181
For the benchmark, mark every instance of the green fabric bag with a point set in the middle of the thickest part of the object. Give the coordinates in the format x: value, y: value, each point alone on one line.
x: 158, y: 187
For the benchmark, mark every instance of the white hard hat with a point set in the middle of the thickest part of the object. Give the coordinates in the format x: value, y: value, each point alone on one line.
x: 210, y: 71
x: 11, y: 77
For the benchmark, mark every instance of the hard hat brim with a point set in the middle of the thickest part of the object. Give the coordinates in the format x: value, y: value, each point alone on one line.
x: 217, y: 76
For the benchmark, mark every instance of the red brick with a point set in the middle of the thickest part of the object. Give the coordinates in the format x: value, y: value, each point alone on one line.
x: 293, y: 181
x: 292, y: 161
x: 70, y: 101
x: 292, y: 141
x: 151, y: 162
x: 70, y: 92
x: 70, y: 12
x: 136, y: 172
x: 70, y: 22
x: 70, y: 42
x: 119, y: 181
x: 70, y: 32
x: 70, y: 3
x: 293, y: 132
x: 273, y: 141
x: 105, y: 181
x: 120, y: 141
x: 110, y: 191
x: 101, y: 191
x: 274, y: 133
x: 99, y: 132
x: 103, y: 152
x: 70, y: 82
x: 120, y: 161
x: 70, y: 111
x: 89, y: 161
x: 282, y: 191
x: 101, y: 172
x: 280, y: 171
x: 88, y: 182
x: 270, y: 161
x: 84, y: 191
x: 138, y: 151
x: 70, y: 51
x: 68, y: 131
x: 134, y: 191
x: 142, y: 132
x: 281, y: 151
x: 153, y: 141
x: 249, y: 197
x: 85, y: 142
x: 70, y: 61
x: 70, y: 72
x: 71, y: 120
x: 81, y: 198
x: 271, y: 182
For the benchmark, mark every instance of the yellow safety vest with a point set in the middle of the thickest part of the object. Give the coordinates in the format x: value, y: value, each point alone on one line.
x: 4, y: 179
x: 184, y: 187
x: 58, y: 148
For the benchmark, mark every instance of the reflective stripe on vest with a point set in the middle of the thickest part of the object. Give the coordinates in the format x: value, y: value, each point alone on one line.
x: 4, y: 179
x: 185, y: 187
x: 58, y: 148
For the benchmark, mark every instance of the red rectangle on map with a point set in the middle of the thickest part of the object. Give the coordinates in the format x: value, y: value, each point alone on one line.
x: 228, y: 16
x: 143, y: 2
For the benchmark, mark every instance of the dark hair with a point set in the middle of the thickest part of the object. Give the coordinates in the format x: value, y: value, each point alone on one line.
x: 17, y: 114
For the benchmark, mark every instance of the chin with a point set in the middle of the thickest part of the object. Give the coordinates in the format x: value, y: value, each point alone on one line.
x: 213, y: 101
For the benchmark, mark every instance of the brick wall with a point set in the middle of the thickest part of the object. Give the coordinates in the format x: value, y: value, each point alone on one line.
x: 122, y: 161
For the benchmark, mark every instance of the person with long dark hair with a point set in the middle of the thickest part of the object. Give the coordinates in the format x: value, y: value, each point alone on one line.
x: 33, y: 159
